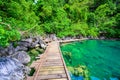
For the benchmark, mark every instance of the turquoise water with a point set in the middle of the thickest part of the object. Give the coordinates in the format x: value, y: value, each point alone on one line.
x: 101, y: 57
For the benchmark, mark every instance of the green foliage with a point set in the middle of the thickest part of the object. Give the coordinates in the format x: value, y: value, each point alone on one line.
x: 62, y: 17
x: 118, y: 20
x: 34, y: 52
x: 39, y: 50
x: 8, y: 35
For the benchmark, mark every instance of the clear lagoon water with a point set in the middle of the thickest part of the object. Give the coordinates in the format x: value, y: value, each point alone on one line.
x: 101, y: 57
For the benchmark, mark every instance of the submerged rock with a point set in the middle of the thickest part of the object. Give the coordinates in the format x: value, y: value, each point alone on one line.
x: 79, y: 71
x: 11, y: 69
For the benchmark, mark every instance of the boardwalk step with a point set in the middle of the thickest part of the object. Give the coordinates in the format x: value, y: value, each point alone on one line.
x: 53, y: 57
x: 52, y: 69
x: 54, y: 76
x: 50, y: 72
x: 52, y: 64
x: 47, y: 63
x: 59, y: 79
x: 49, y: 60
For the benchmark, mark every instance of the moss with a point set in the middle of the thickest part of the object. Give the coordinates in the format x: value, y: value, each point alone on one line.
x: 33, y: 54
x: 39, y: 50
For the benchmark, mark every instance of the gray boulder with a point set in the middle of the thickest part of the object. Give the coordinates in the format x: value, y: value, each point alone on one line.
x: 22, y: 56
x: 53, y: 37
x: 10, y: 49
x: 24, y: 43
x: 42, y: 44
x: 3, y: 51
x: 11, y: 69
x: 21, y: 48
x: 30, y: 40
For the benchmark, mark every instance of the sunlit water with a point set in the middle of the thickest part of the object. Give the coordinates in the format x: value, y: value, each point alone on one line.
x: 101, y: 57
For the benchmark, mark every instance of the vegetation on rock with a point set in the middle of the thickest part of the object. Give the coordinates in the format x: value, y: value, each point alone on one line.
x: 33, y: 53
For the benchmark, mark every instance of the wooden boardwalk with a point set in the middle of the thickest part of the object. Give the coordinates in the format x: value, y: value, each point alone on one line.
x: 72, y: 40
x: 51, y: 65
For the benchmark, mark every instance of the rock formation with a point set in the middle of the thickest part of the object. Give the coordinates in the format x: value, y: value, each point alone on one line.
x: 11, y: 69
x: 14, y: 57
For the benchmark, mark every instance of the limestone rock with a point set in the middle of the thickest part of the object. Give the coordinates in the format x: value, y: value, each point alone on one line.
x: 11, y: 69
x: 10, y: 49
x: 53, y: 37
x: 24, y: 43
x: 3, y: 51
x: 21, y: 48
x: 22, y: 56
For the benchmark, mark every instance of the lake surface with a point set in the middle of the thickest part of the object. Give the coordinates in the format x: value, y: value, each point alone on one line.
x: 101, y: 57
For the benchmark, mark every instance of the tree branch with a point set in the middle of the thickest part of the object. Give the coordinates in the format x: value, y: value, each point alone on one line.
x: 8, y: 25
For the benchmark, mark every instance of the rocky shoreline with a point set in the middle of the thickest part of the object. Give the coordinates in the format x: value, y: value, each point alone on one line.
x: 14, y: 58
x: 52, y: 37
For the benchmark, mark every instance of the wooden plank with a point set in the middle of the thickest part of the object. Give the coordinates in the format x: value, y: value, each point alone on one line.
x: 34, y: 65
x: 53, y: 61
x: 72, y: 40
x: 30, y: 77
x: 59, y: 79
x: 51, y: 72
x: 49, y: 60
x: 52, y: 64
x: 54, y: 58
x: 53, y: 69
x: 54, y: 76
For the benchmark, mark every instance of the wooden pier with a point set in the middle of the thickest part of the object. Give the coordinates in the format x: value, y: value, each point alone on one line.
x: 51, y: 65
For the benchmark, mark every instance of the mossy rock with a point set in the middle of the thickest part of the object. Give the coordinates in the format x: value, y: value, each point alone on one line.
x: 39, y: 50
x: 34, y: 52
